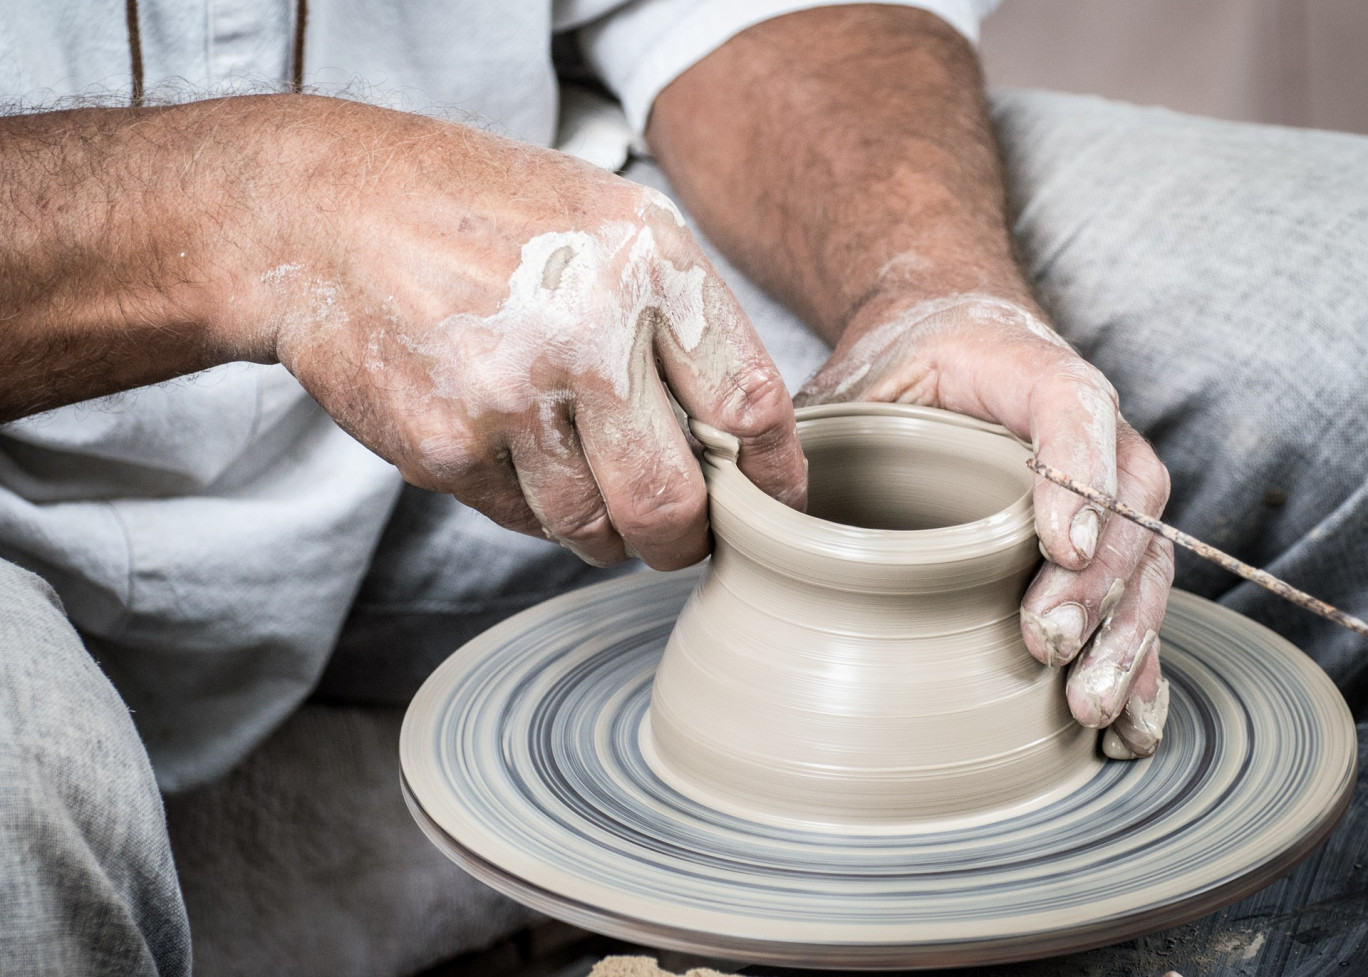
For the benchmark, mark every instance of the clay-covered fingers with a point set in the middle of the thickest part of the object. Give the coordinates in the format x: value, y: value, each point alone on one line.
x: 1116, y: 682
x: 1099, y: 601
x: 1074, y: 427
x: 651, y: 485
x: 482, y: 479
x: 1063, y: 607
x: 1106, y: 617
x: 607, y: 469
x: 561, y: 493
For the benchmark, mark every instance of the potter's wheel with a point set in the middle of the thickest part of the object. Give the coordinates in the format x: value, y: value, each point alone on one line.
x: 522, y: 761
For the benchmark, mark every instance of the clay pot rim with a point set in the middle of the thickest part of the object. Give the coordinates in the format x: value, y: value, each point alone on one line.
x: 755, y: 521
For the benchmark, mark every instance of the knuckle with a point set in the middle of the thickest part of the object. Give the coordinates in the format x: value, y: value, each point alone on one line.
x: 757, y: 408
x: 653, y: 206
x: 1151, y: 476
x: 1155, y: 477
x: 452, y: 460
x: 484, y: 482
x: 660, y: 510
x: 507, y: 509
x: 1112, y: 563
x: 584, y: 523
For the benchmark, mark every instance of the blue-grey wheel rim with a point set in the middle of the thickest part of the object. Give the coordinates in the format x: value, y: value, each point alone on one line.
x: 521, y: 761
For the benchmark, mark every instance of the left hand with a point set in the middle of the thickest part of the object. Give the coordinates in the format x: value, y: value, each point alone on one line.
x: 1099, y: 600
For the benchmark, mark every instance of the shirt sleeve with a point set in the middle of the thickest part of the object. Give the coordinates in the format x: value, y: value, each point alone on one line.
x: 641, y: 46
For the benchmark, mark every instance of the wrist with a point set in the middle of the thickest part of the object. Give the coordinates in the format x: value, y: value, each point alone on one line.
x: 243, y: 212
x: 98, y: 265
x: 169, y: 229
x: 898, y: 305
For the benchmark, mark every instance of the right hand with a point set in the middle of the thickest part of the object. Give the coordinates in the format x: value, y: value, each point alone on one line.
x: 1098, y: 603
x: 503, y: 322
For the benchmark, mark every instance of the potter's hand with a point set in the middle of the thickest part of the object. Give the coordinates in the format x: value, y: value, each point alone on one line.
x: 1099, y: 600
x: 503, y: 322
x: 500, y: 321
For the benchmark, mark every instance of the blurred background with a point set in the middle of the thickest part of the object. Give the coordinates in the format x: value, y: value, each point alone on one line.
x: 1290, y: 62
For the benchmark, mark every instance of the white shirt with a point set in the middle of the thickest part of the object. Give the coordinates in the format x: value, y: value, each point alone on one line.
x: 207, y: 535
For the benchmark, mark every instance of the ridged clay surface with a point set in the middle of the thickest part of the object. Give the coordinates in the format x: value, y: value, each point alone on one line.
x: 862, y: 662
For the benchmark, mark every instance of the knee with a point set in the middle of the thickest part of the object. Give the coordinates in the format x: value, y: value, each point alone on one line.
x: 68, y: 746
x: 27, y: 601
x: 1278, y: 399
x: 1265, y: 442
x: 86, y: 878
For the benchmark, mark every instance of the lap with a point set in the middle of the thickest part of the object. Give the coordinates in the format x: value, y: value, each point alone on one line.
x: 442, y: 573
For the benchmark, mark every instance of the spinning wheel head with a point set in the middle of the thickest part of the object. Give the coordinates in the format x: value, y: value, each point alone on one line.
x: 523, y: 760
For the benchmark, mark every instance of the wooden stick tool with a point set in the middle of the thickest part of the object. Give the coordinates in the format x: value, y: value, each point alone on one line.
x: 1205, y: 550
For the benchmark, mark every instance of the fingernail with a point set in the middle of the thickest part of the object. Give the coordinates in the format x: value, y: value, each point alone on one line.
x: 1139, y: 729
x: 1063, y: 627
x: 1083, y: 532
x: 1114, y: 747
x: 1111, y: 599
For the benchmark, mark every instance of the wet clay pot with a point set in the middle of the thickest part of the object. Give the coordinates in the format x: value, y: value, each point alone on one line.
x: 862, y: 663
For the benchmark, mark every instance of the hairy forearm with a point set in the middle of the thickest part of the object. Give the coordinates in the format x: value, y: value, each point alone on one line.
x: 843, y: 157
x: 107, y: 248
x: 466, y: 306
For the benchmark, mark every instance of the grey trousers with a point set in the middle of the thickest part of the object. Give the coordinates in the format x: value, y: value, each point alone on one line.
x: 1215, y: 272
x: 87, y: 884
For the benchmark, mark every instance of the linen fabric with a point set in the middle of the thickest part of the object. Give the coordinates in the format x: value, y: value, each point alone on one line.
x: 208, y: 535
